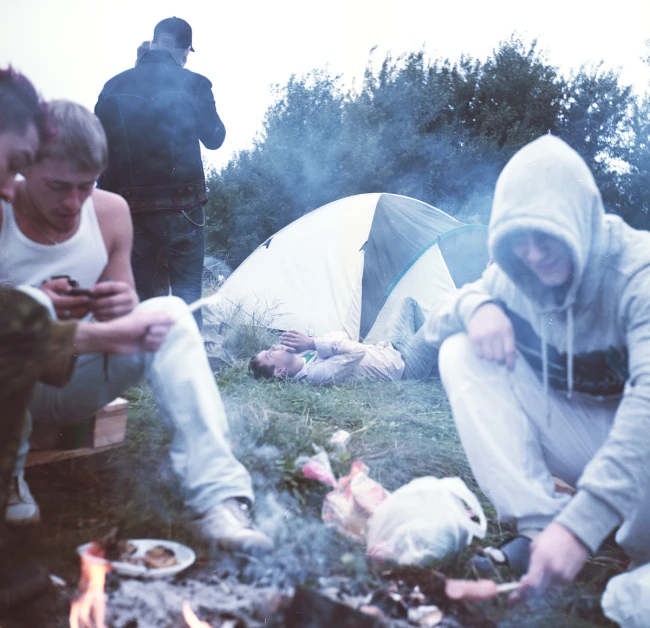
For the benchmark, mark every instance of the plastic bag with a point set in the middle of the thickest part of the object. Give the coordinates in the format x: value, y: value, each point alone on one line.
x: 426, y: 521
x: 626, y: 599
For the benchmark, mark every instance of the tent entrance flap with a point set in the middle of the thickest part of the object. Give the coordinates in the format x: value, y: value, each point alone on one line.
x: 401, y: 228
x: 454, y: 246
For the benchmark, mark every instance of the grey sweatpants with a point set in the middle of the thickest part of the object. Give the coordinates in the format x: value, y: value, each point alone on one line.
x: 516, y: 439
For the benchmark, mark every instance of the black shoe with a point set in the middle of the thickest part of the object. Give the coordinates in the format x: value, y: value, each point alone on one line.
x: 513, y: 554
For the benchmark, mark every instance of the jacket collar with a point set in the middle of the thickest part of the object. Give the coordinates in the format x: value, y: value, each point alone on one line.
x: 158, y: 56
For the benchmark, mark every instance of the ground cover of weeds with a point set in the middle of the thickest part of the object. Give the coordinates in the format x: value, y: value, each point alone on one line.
x: 400, y: 430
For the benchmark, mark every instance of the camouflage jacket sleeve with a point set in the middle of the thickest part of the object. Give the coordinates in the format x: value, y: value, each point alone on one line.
x: 32, y: 348
x: 60, y: 356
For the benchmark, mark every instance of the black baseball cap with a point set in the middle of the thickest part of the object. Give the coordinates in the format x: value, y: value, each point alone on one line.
x: 179, y: 29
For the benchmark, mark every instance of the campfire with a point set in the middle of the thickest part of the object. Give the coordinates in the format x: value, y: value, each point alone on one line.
x: 157, y: 591
x: 407, y: 596
x: 89, y: 610
x: 192, y: 620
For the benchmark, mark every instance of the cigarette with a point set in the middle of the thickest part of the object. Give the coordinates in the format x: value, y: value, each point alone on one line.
x: 198, y: 304
x: 507, y: 587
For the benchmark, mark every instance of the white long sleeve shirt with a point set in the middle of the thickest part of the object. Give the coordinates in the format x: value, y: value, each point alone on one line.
x: 338, y: 359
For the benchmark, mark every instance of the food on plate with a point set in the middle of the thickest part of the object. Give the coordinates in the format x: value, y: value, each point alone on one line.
x: 141, y: 558
x: 159, y: 557
x: 114, y: 548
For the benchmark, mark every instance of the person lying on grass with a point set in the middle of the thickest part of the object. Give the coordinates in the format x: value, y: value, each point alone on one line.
x: 335, y: 358
x: 546, y: 362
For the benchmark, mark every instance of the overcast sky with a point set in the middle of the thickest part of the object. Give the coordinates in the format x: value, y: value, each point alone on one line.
x: 69, y: 48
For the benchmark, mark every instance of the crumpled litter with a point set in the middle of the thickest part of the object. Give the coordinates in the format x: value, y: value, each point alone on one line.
x: 354, y: 499
x: 340, y: 439
x: 317, y: 467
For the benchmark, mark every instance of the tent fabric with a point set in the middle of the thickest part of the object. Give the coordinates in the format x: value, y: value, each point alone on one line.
x: 400, y: 229
x: 448, y: 262
x: 309, y: 274
x: 344, y: 266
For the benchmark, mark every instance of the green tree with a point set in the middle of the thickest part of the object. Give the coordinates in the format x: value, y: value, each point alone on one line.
x: 597, y: 120
x: 437, y: 130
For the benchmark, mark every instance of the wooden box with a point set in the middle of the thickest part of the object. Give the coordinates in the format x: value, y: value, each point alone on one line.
x: 110, y: 423
x: 105, y: 430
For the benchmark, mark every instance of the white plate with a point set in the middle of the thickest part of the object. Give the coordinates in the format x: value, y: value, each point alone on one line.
x: 185, y: 557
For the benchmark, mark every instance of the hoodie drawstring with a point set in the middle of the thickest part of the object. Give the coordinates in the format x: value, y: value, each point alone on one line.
x: 569, y: 367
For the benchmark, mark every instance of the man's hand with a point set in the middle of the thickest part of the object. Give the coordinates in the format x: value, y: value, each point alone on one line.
x: 66, y: 307
x: 112, y: 299
x: 133, y: 333
x: 556, y: 556
x: 297, y: 341
x: 492, y: 336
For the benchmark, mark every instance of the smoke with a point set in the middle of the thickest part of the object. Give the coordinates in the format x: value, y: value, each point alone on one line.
x: 402, y: 134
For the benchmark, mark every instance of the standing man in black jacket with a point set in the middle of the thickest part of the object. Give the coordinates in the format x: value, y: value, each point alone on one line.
x: 155, y: 115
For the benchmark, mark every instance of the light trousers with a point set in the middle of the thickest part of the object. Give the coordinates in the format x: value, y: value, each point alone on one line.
x: 516, y: 439
x: 188, y: 401
x: 405, y: 331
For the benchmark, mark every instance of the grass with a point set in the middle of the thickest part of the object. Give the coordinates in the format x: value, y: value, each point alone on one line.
x: 401, y: 430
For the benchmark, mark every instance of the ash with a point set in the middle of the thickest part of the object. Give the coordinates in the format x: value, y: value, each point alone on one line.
x: 158, y: 603
x: 254, y: 590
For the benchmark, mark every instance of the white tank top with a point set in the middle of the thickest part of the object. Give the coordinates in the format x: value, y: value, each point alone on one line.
x: 22, y: 261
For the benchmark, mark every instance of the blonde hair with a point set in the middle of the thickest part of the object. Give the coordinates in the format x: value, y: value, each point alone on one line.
x: 79, y: 137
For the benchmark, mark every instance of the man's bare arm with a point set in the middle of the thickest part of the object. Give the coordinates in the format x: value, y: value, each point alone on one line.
x: 115, y: 294
x: 133, y: 333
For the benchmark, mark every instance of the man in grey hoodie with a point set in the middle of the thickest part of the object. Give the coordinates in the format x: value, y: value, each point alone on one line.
x: 546, y: 361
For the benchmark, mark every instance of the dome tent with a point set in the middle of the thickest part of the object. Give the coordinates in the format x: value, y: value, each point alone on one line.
x: 345, y: 265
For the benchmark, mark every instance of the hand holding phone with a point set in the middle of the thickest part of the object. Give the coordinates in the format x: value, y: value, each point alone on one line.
x: 70, y: 302
x: 81, y: 292
x: 112, y: 299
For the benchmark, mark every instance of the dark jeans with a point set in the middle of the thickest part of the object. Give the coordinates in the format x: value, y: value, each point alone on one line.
x: 181, y: 237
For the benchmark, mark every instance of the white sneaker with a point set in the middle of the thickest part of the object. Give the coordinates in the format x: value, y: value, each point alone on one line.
x: 229, y: 525
x: 22, y: 508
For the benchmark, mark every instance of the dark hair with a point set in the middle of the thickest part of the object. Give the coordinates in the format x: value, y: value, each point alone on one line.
x: 261, y: 371
x: 20, y: 106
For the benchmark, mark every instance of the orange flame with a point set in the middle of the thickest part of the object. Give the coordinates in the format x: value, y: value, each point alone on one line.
x: 192, y: 620
x: 89, y: 609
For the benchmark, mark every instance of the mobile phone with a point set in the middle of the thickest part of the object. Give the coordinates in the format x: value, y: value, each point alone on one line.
x: 80, y: 292
x: 73, y: 282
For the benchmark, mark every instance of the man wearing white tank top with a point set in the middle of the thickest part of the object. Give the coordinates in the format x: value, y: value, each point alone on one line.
x: 60, y: 224
x: 32, y: 346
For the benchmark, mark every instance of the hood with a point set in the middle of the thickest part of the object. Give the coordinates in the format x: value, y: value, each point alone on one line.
x: 547, y: 187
